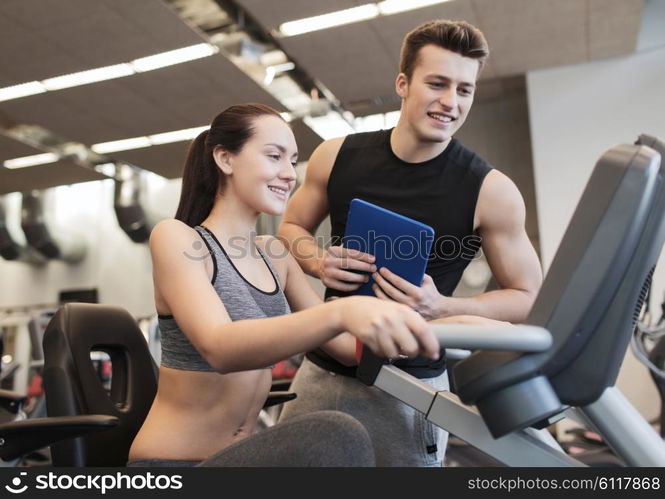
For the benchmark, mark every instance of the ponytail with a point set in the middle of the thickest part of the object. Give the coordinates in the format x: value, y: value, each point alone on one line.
x: 200, y: 181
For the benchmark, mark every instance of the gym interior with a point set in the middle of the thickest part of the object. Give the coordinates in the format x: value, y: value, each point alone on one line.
x: 100, y: 100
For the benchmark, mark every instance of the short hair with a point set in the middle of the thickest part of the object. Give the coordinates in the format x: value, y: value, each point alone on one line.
x: 457, y: 36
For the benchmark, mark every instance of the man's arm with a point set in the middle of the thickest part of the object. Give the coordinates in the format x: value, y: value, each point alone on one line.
x: 304, y: 213
x: 499, y: 218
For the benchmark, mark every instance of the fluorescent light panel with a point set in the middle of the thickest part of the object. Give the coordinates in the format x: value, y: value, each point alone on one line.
x: 337, y: 18
x: 25, y: 161
x: 95, y: 75
x: 172, y: 57
x: 391, y: 118
x: 147, y: 141
x: 89, y: 76
x: 374, y: 122
x: 22, y: 90
x: 355, y: 14
x: 388, y: 7
x: 329, y: 126
x: 270, y: 75
x: 176, y: 136
x: 285, y: 66
x: 121, y: 145
x: 107, y: 169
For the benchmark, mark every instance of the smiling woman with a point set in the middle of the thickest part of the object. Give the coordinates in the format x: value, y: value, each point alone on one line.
x: 214, y: 152
x: 224, y: 303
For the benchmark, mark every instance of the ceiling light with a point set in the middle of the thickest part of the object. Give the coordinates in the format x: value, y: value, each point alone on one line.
x: 22, y: 90
x: 286, y: 66
x: 37, y: 159
x: 176, y: 136
x: 374, y: 122
x: 337, y: 18
x: 147, y: 141
x: 89, y: 76
x: 107, y: 169
x: 270, y: 75
x: 109, y: 72
x: 173, y: 57
x: 272, y: 71
x: 330, y: 126
x: 287, y: 91
x: 388, y: 7
x: 273, y: 57
x: 369, y: 123
x: 121, y: 145
x: 361, y: 13
x: 391, y: 118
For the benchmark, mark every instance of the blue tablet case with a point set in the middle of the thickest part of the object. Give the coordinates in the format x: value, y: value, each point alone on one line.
x: 399, y: 243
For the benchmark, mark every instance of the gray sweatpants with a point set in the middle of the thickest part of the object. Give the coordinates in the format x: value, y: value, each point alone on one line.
x: 320, y: 439
x: 400, y: 435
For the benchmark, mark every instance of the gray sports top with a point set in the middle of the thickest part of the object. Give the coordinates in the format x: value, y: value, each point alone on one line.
x: 241, y: 299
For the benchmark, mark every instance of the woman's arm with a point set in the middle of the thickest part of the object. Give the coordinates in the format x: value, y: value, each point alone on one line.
x: 184, y: 286
x: 301, y: 296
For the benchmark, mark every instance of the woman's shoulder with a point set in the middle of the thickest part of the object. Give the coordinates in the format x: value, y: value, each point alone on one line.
x: 171, y: 234
x: 172, y: 227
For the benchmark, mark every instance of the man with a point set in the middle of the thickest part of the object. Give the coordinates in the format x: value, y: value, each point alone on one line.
x: 419, y: 170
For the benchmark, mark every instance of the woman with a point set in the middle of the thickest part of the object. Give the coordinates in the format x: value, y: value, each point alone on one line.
x: 224, y: 298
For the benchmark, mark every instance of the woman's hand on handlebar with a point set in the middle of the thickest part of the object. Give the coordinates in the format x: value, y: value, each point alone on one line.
x: 389, y: 329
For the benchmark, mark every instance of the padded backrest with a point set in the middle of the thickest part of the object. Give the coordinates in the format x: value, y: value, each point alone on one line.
x: 73, y: 385
x: 36, y: 328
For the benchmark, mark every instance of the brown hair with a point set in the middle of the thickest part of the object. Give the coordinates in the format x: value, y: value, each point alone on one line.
x: 456, y: 36
x: 202, y: 179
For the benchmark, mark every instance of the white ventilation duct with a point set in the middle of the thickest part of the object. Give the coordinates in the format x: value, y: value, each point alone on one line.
x: 10, y: 248
x: 48, y: 241
x: 133, y: 218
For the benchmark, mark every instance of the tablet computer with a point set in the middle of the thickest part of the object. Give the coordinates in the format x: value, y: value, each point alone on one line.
x: 399, y: 243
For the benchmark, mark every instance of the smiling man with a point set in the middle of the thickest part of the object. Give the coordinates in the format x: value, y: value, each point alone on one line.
x: 420, y: 170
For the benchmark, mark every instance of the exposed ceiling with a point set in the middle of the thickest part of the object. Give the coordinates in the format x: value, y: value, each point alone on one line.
x: 357, y: 62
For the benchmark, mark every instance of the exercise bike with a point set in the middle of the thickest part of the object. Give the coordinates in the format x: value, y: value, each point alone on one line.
x: 521, y: 379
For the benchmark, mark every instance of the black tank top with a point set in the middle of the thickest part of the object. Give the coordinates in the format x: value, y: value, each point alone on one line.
x: 441, y: 193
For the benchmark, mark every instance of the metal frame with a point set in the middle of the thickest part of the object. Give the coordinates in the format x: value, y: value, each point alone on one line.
x: 523, y: 448
x: 625, y: 430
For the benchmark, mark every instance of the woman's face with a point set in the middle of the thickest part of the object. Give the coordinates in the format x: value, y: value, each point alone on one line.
x: 263, y: 173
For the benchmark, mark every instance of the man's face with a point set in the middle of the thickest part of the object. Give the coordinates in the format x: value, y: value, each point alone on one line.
x: 438, y: 98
